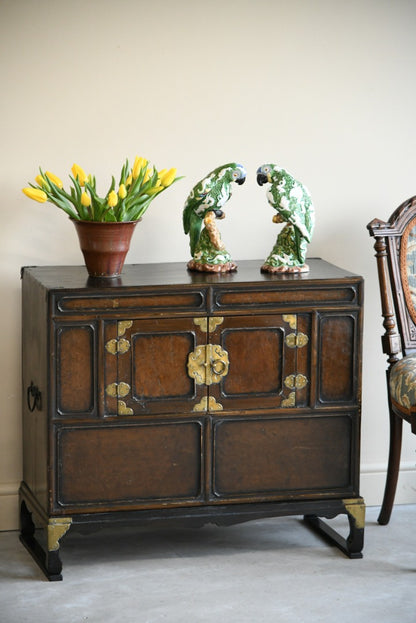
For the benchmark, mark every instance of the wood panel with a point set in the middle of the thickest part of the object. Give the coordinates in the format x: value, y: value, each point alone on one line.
x: 281, y: 456
x: 129, y: 464
x: 155, y: 366
x: 75, y: 369
x: 337, y: 362
x: 260, y: 360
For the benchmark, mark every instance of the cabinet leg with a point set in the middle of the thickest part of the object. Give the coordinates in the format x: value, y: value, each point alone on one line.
x: 46, y: 557
x: 351, y: 546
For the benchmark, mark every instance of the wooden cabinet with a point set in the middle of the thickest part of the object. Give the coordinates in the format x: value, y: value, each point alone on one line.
x: 167, y: 394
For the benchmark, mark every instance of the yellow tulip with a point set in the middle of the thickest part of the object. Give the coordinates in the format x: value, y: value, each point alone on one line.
x: 139, y: 163
x: 42, y: 182
x: 79, y: 174
x: 154, y: 190
x: 148, y: 174
x: 168, y: 177
x: 35, y: 193
x: 122, y: 192
x: 112, y: 199
x: 54, y: 179
x: 85, y: 200
x: 160, y: 174
x: 129, y: 180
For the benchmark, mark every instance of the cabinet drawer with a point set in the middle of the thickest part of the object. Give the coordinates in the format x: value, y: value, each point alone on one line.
x: 236, y: 299
x: 109, y: 466
x: 141, y: 303
x: 282, y: 457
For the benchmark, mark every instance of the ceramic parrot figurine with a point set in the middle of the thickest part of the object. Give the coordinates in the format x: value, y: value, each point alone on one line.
x: 202, y: 207
x: 293, y: 205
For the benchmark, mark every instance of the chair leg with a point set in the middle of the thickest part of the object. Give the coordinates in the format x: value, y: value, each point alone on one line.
x: 396, y: 426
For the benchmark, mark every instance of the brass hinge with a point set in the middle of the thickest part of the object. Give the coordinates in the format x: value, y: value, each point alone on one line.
x: 296, y: 381
x: 293, y: 382
x: 115, y: 346
x: 296, y: 340
x: 117, y: 390
x: 119, y: 345
x: 208, y: 364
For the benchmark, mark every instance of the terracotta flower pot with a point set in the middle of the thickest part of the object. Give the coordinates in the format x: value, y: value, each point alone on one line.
x: 104, y: 246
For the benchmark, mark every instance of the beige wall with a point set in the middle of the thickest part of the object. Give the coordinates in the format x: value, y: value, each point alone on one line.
x: 324, y: 88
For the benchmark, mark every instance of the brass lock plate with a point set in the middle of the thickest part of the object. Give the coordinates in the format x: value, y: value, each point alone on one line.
x: 208, y: 364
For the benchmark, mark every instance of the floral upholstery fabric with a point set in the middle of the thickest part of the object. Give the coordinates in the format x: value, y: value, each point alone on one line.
x: 403, y: 382
x: 409, y: 277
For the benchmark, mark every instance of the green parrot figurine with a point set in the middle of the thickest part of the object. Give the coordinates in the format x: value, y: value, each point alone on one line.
x: 294, y: 206
x: 202, y: 207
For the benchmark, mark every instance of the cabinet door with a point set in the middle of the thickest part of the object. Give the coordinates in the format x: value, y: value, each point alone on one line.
x: 268, y: 361
x: 129, y: 465
x: 146, y: 366
x: 281, y: 456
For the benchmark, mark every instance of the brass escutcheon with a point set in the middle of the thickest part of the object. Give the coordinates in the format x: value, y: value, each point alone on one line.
x: 208, y: 364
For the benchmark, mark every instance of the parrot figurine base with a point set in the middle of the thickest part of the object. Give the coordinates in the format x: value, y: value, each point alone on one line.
x: 210, y: 255
x: 267, y: 268
x: 229, y: 267
x: 203, y: 207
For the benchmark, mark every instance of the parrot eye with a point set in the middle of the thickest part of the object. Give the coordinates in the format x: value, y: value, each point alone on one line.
x: 266, y: 169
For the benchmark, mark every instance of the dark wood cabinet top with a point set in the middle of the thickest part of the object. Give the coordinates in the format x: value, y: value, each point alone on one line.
x: 176, y: 274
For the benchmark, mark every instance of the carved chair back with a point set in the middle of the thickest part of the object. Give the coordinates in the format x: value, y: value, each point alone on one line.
x: 395, y: 246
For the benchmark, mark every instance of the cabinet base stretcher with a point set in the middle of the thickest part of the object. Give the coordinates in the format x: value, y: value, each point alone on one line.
x: 41, y: 535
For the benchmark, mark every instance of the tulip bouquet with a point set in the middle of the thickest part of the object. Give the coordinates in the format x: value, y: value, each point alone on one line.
x: 137, y: 188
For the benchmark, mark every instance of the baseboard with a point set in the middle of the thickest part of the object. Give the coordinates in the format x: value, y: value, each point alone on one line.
x: 372, y: 481
x: 9, y: 507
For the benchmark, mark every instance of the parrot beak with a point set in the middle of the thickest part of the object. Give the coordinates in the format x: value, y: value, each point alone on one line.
x: 241, y: 180
x: 262, y: 179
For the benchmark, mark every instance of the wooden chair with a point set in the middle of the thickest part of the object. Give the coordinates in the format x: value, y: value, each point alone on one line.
x: 395, y: 245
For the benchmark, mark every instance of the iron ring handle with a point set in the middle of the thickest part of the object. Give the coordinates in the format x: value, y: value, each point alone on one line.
x: 218, y: 366
x: 34, y: 398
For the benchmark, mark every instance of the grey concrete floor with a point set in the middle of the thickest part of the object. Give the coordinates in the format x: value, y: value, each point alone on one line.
x: 273, y: 570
